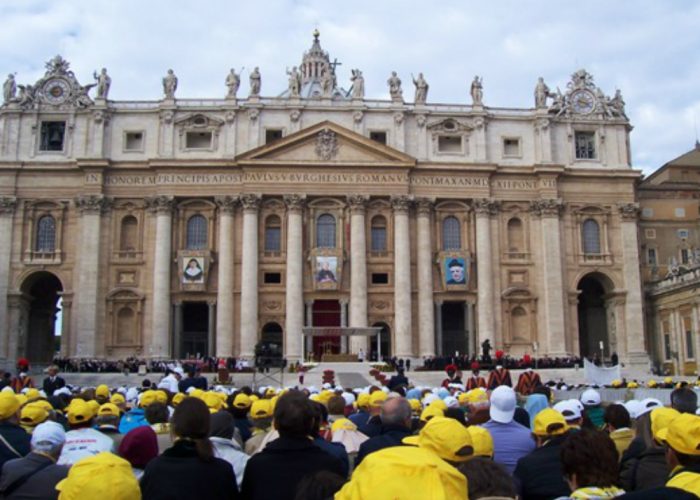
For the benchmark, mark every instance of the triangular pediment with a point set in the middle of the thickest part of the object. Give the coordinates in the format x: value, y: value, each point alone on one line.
x: 326, y: 143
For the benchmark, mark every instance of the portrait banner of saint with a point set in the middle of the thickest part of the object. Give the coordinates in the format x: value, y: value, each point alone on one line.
x: 327, y: 271
x: 192, y: 270
x: 455, y: 271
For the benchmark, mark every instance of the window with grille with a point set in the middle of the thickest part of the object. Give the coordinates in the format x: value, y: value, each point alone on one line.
x: 46, y: 234
x: 451, y: 234
x: 591, y: 237
x: 379, y: 234
x: 196, y: 233
x: 325, y: 231
x: 273, y: 234
x: 585, y: 145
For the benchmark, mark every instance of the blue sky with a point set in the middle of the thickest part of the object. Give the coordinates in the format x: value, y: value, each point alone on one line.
x: 648, y: 49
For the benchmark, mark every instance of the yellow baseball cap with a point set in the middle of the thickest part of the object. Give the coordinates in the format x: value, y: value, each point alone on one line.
x: 431, y: 411
x: 44, y: 404
x: 652, y: 383
x: 262, y: 408
x: 161, y: 397
x: 445, y: 437
x: 32, y: 394
x: 343, y: 424
x: 632, y: 385
x: 177, y: 398
x: 9, y: 404
x: 269, y: 392
x: 213, y: 402
x: 325, y: 396
x: 242, y: 401
x: 147, y: 398
x: 668, y: 380
x: 439, y: 403
x: 79, y: 412
x: 33, y: 414
x: 416, y: 407
x: 661, y: 418
x: 481, y: 440
x: 377, y: 398
x: 104, y: 475
x: 94, y: 406
x: 102, y: 391
x: 197, y: 393
x: 616, y: 383
x: 478, y: 395
x: 549, y: 422
x: 109, y: 410
x: 682, y: 434
x: 363, y: 400
x: 117, y: 399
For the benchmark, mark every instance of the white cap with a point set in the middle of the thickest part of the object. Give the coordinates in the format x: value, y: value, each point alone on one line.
x: 633, y: 407
x: 590, y: 397
x: 569, y: 409
x: 132, y: 394
x: 451, y: 402
x: 48, y: 435
x: 190, y: 389
x: 348, y: 397
x: 179, y: 370
x: 502, y: 404
x: 647, y: 405
x: 62, y: 390
x: 429, y: 398
x: 327, y: 385
x: 7, y: 388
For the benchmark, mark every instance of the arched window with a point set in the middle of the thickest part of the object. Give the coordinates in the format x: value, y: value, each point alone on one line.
x: 591, y: 237
x: 273, y: 234
x: 196, y: 233
x: 379, y: 233
x: 516, y: 240
x: 46, y: 234
x: 128, y: 238
x: 451, y: 234
x: 325, y: 231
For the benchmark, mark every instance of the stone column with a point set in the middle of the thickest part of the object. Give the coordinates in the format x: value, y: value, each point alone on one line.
x: 66, y: 341
x: 211, y: 329
x: 402, y: 279
x: 177, y: 331
x: 249, y: 276
x: 553, y: 274
x: 224, y: 294
x: 294, y: 298
x: 484, y: 208
x: 7, y: 211
x: 424, y: 264
x: 160, y: 320
x: 473, y: 346
x: 87, y: 300
x: 358, y: 269
x: 309, y: 343
x: 438, y: 327
x: 634, y: 317
x: 343, y: 323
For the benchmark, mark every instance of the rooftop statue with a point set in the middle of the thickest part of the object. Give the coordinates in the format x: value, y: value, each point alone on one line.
x: 255, y: 82
x: 421, y: 89
x: 395, y: 91
x: 170, y: 84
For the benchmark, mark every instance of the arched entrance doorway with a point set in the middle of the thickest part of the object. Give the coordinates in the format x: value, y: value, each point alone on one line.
x: 38, y: 341
x: 384, y: 342
x: 269, y: 351
x: 593, y: 328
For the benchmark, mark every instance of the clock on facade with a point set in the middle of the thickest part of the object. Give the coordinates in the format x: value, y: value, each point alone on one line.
x: 583, y: 101
x: 56, y: 91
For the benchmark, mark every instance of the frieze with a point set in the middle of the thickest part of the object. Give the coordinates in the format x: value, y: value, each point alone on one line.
x: 547, y: 207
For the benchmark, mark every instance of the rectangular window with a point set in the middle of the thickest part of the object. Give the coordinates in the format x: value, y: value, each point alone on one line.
x: 651, y: 256
x: 647, y: 212
x: 380, y: 279
x: 689, y: 343
x: 378, y: 136
x: 585, y: 145
x: 449, y: 144
x: 682, y: 234
x: 679, y: 212
x: 667, y: 346
x: 273, y: 239
x: 133, y: 141
x: 685, y: 256
x: 52, y: 136
x: 378, y: 239
x: 511, y: 147
x: 198, y: 140
x: 272, y: 278
x: 272, y: 134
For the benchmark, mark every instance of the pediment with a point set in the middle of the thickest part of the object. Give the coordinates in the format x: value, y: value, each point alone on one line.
x: 326, y: 143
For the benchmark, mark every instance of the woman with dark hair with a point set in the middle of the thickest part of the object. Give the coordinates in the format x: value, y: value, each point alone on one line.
x: 189, y: 468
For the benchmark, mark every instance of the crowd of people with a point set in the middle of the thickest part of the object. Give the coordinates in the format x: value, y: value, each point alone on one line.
x: 465, y: 362
x: 180, y: 438
x: 133, y: 364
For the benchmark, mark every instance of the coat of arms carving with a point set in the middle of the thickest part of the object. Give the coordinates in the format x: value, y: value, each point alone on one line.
x: 326, y: 144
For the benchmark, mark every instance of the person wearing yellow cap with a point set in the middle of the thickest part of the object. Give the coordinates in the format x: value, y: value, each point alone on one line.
x: 103, y: 476
x: 261, y: 417
x: 31, y: 415
x: 107, y: 422
x: 102, y: 394
x: 82, y: 440
x: 476, y: 402
x: 361, y: 417
x: 481, y: 441
x: 137, y: 416
x: 539, y: 472
x: 589, y: 462
x: 445, y: 437
x: 240, y: 405
x: 395, y: 417
x: 682, y: 439
x: 17, y: 440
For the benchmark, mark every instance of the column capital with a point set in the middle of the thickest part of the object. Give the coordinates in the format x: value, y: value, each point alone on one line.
x: 550, y: 207
x: 401, y: 203
x: 8, y: 205
x: 629, y: 211
x: 161, y: 204
x: 425, y: 205
x: 251, y: 202
x: 295, y: 202
x: 227, y: 204
x: 486, y: 206
x: 93, y: 204
x: 358, y: 203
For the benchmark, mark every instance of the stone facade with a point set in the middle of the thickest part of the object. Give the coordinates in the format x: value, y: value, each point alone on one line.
x: 206, y: 225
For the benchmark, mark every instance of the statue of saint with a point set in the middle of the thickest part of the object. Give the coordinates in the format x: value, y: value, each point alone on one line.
x: 477, y: 91
x: 255, y: 82
x: 294, y: 82
x: 170, y: 84
x: 421, y: 89
x: 541, y: 93
x: 9, y: 88
x: 358, y: 84
x: 103, y: 83
x: 327, y: 82
x: 617, y: 104
x: 233, y: 81
x: 394, y: 83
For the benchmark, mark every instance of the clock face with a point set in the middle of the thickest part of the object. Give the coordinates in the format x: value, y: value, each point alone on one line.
x: 583, y: 101
x: 56, y: 91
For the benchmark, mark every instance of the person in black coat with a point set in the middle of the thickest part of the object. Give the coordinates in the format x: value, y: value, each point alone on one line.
x: 189, y: 468
x: 539, y: 474
x: 53, y: 381
x: 398, y: 380
x: 15, y: 441
x: 277, y: 470
x: 396, y: 425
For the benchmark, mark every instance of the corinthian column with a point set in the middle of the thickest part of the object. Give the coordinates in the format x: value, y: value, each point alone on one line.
x: 358, y: 269
x: 160, y: 321
x: 294, y: 298
x: 402, y: 278
x: 634, y: 318
x: 7, y: 210
x: 426, y: 313
x: 87, y: 293
x: 224, y: 294
x: 553, y: 274
x: 249, y: 275
x: 484, y: 208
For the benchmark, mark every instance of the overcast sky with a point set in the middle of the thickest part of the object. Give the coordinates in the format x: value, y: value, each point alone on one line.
x: 648, y: 49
